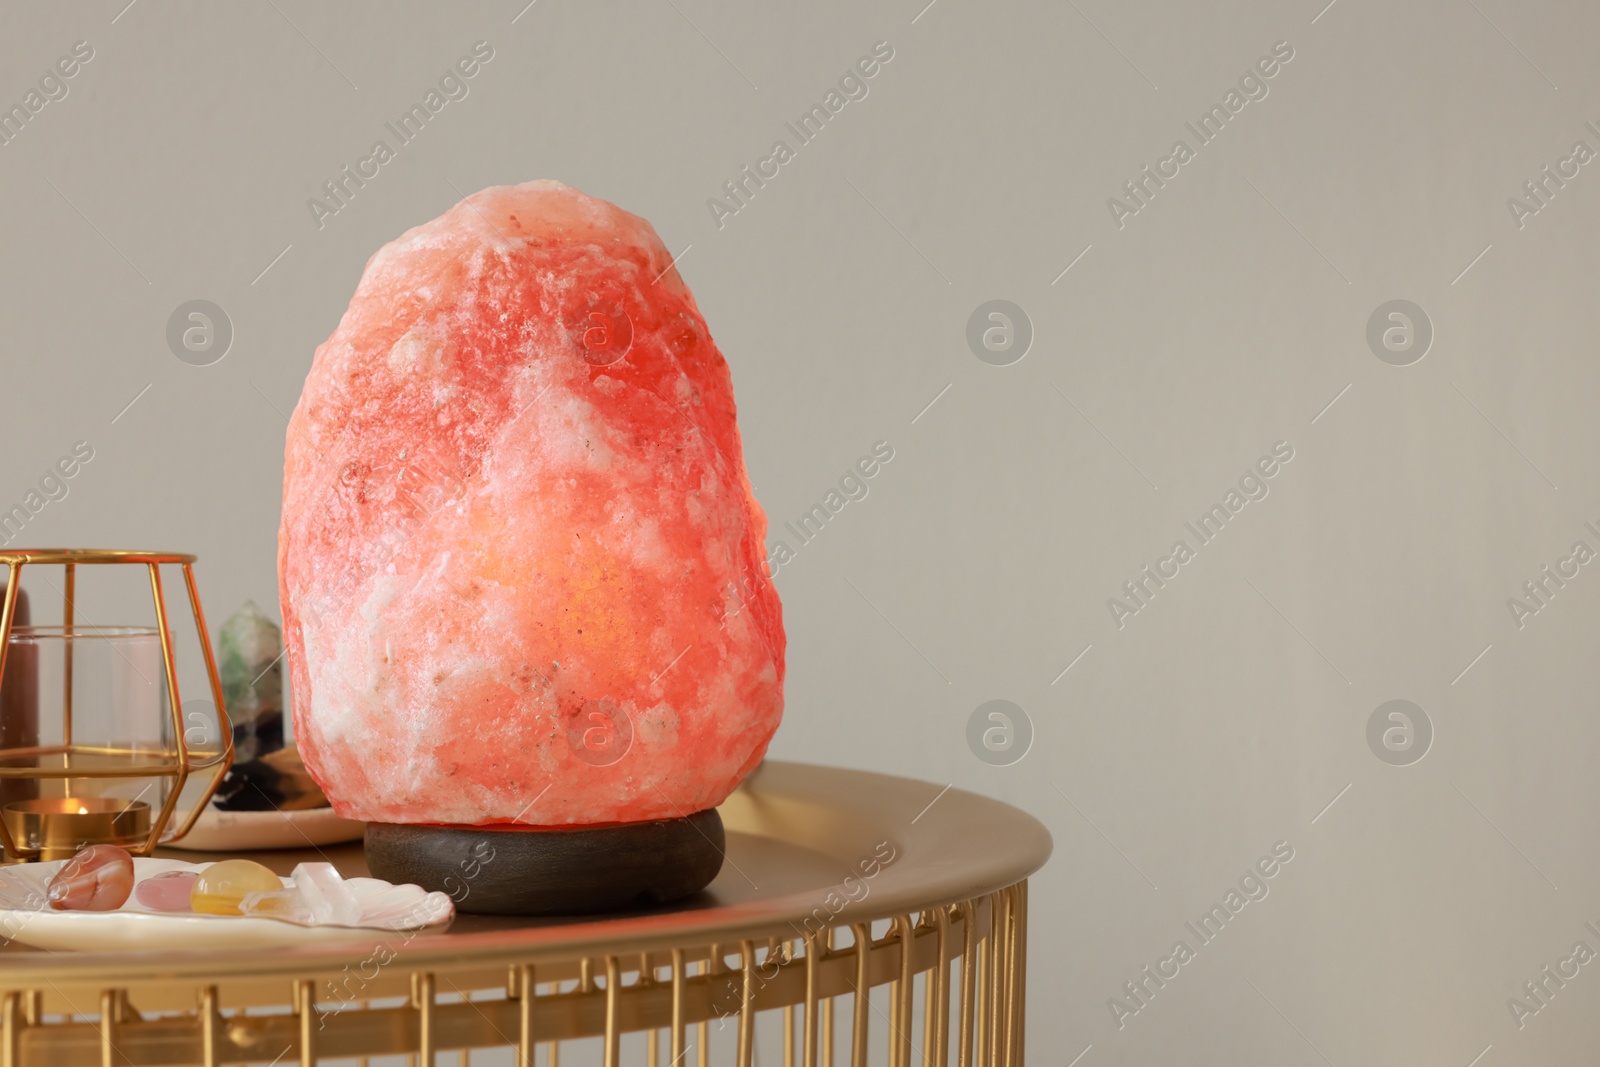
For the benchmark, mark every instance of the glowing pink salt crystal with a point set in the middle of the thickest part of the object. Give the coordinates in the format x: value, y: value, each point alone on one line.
x: 521, y: 566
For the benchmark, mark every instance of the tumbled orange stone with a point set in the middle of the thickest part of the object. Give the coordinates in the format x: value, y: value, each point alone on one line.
x: 522, y: 568
x: 96, y: 878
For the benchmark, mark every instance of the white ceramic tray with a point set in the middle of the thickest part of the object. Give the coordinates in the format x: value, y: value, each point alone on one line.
x: 252, y: 831
x: 26, y: 918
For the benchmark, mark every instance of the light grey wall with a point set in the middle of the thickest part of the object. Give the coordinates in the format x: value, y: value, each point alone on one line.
x: 1225, y: 316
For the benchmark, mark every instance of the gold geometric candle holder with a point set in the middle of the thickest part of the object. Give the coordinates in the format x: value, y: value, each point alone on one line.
x: 85, y: 776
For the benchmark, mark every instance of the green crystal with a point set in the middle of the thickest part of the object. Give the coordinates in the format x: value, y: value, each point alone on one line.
x: 251, y: 671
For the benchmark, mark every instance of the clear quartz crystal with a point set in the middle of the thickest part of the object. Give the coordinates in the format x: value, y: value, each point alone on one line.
x: 287, y: 904
x: 327, y: 895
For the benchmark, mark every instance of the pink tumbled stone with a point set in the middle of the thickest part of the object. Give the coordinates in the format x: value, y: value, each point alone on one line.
x: 166, y: 892
x: 521, y: 566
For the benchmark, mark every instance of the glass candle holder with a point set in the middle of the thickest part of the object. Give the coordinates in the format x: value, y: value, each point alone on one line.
x: 93, y: 748
x: 58, y: 827
x: 114, y: 717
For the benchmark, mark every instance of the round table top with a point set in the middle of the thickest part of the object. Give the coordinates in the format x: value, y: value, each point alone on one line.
x: 803, y: 842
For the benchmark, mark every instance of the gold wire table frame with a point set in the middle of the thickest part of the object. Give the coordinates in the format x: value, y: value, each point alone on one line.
x: 837, y: 884
x: 99, y: 760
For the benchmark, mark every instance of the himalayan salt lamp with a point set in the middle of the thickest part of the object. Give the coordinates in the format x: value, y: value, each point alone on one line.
x: 521, y: 564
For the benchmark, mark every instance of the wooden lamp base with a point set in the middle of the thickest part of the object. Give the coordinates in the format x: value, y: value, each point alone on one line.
x: 503, y: 870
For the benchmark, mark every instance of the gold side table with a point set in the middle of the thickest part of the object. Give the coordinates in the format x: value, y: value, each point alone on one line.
x: 835, y: 881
